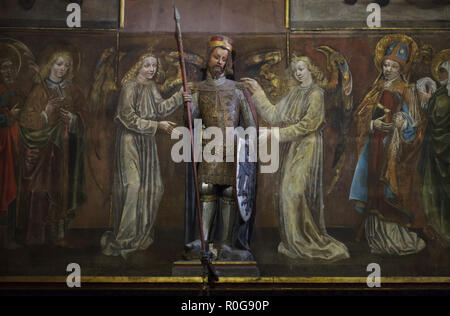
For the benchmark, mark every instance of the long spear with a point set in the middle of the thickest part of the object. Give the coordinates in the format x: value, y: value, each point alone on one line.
x: 206, y: 257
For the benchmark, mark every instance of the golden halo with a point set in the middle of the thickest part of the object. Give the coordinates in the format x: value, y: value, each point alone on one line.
x: 10, y: 51
x: 438, y: 59
x: 387, y: 41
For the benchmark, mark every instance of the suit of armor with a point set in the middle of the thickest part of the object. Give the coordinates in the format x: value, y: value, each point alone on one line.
x: 220, y: 103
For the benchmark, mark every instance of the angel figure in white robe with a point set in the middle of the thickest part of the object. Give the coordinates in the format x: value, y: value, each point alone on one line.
x: 138, y: 186
x: 301, y: 118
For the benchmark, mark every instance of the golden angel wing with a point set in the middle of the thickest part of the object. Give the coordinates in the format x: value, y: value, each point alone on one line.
x: 262, y: 67
x: 339, y: 89
x: 173, y: 78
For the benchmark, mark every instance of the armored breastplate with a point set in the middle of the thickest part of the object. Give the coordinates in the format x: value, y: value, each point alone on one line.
x: 219, y: 107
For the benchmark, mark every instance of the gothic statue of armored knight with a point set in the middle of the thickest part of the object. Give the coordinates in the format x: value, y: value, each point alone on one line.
x: 219, y: 102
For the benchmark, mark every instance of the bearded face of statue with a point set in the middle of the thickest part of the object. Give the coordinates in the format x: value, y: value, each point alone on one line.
x: 217, y: 62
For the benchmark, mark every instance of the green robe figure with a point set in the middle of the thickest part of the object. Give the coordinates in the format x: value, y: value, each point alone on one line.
x: 434, y: 164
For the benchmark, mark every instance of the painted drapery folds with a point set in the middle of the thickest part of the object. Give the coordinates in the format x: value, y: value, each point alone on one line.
x: 302, y: 225
x: 390, y: 127
x: 85, y: 151
x: 435, y: 159
x: 11, y: 102
x: 52, y: 137
x: 138, y: 186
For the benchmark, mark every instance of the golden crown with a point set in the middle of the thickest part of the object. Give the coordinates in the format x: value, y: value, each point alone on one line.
x: 221, y: 41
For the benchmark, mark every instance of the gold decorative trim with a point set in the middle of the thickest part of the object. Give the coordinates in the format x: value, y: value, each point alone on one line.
x: 122, y: 14
x: 387, y: 41
x: 374, y: 29
x: 223, y: 43
x: 287, y: 13
x: 208, y: 198
x: 288, y: 49
x: 363, y: 280
x: 224, y: 280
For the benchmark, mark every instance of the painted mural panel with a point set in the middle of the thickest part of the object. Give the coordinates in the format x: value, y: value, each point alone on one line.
x: 89, y: 175
x: 55, y: 74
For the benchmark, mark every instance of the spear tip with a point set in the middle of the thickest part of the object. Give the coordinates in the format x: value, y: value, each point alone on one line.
x: 176, y: 14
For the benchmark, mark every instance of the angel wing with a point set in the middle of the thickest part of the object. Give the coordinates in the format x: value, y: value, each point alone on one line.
x: 104, y: 89
x: 261, y: 67
x: 340, y: 88
x: 103, y: 97
x: 173, y: 80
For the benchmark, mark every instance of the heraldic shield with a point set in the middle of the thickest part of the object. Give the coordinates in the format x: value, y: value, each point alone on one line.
x: 245, y: 181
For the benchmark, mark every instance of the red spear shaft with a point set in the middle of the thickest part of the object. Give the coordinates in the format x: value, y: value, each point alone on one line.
x: 188, y: 107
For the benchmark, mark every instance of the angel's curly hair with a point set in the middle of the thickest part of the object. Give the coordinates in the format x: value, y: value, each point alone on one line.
x: 134, y: 70
x: 47, y: 65
x: 317, y: 75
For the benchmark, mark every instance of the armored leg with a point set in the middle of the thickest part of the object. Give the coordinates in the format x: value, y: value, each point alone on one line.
x: 208, y: 207
x: 228, y: 208
x: 234, y: 230
x: 208, y: 203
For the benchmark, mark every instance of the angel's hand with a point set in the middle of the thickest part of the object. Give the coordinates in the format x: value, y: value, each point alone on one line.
x: 167, y: 126
x: 65, y: 116
x: 52, y: 109
x: 251, y: 84
x: 187, y: 96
